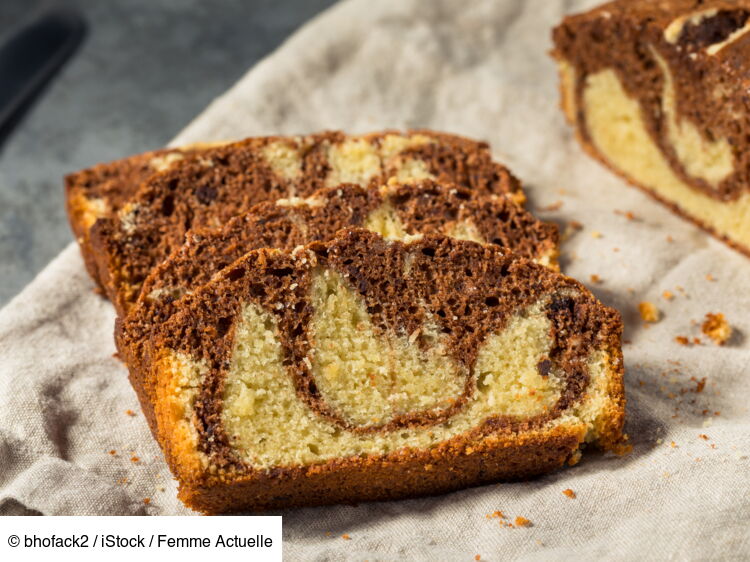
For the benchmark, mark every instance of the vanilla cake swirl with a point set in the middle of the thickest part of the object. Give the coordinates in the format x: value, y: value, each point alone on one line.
x: 365, y: 369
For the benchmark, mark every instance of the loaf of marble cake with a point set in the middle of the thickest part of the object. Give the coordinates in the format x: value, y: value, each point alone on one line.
x: 658, y: 92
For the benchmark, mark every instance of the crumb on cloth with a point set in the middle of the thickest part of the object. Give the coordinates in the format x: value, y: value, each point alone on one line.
x: 717, y: 328
x: 649, y: 312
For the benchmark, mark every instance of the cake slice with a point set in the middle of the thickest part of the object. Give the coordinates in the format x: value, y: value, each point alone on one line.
x: 398, y: 210
x: 101, y: 191
x: 657, y: 91
x: 365, y: 369
x: 205, y: 188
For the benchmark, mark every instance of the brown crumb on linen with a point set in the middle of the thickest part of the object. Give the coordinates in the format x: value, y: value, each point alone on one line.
x: 667, y: 295
x: 717, y: 328
x: 622, y: 449
x: 710, y: 277
x: 570, y: 493
x: 682, y: 340
x: 346, y: 537
x: 595, y: 278
x: 703, y: 436
x: 596, y: 234
x: 649, y: 312
x: 147, y: 500
x: 113, y: 452
x: 496, y: 515
x: 478, y: 557
x: 630, y: 215
x: 134, y: 459
x: 556, y: 206
x: 699, y: 384
x: 131, y: 413
x: 521, y: 521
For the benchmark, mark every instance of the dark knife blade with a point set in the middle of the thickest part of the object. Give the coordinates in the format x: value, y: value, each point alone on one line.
x: 31, y: 56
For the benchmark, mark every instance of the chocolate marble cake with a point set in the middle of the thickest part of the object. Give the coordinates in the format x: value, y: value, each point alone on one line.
x: 364, y: 369
x: 658, y: 91
x: 396, y: 211
x: 205, y: 188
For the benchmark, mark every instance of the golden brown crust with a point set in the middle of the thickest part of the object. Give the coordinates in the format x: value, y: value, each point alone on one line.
x: 459, y: 463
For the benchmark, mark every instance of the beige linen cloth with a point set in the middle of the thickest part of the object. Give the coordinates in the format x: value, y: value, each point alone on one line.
x: 69, y: 446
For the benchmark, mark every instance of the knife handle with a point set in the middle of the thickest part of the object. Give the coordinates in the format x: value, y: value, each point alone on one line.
x: 32, y: 55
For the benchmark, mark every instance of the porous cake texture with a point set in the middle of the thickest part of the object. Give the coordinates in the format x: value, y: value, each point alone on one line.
x: 102, y: 190
x: 363, y: 368
x: 657, y: 91
x: 206, y: 187
x: 397, y: 211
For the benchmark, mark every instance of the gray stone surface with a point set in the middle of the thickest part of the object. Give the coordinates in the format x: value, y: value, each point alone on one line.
x: 146, y: 68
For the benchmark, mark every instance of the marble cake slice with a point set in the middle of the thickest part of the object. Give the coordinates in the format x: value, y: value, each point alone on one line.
x: 205, y: 188
x: 364, y: 369
x: 397, y: 211
x: 658, y: 91
x: 102, y: 190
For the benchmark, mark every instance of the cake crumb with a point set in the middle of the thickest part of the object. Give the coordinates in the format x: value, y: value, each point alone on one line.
x: 630, y: 215
x: 113, y: 452
x: 496, y: 515
x: 477, y: 557
x: 667, y: 295
x: 649, y: 312
x: 682, y: 340
x: 134, y: 459
x: 556, y: 206
x: 717, y: 328
x: 699, y: 384
x: 521, y: 521
x: 346, y: 537
x: 596, y: 234
x: 673, y: 445
x: 703, y: 436
x: 147, y: 500
x: 710, y: 277
x: 131, y: 413
x: 570, y: 493
x: 595, y: 278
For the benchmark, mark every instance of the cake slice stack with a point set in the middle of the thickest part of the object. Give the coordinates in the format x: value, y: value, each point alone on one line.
x: 329, y: 319
x: 126, y: 228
